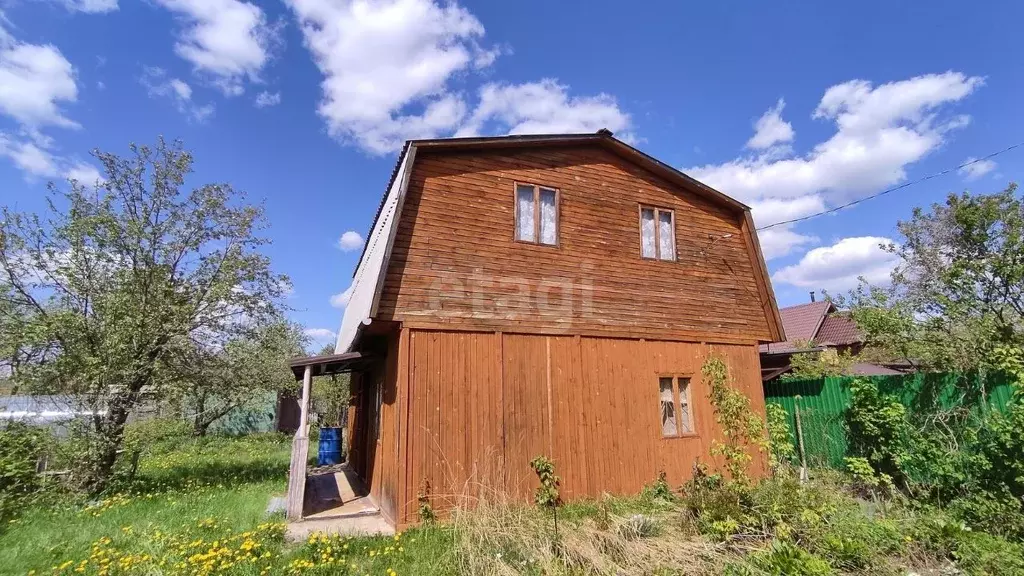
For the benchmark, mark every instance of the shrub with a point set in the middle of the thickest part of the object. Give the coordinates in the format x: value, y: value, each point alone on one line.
x: 425, y: 511
x: 987, y: 555
x: 546, y: 495
x: 21, y: 446
x: 780, y: 438
x: 741, y: 426
x: 660, y: 489
x: 997, y: 512
x: 1000, y: 444
x: 851, y: 540
x: 878, y: 429
x: 786, y: 559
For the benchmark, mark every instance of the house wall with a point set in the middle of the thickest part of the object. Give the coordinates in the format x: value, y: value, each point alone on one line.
x: 479, y: 406
x: 455, y: 263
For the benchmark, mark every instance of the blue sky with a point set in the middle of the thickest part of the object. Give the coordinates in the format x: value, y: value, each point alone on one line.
x: 790, y: 107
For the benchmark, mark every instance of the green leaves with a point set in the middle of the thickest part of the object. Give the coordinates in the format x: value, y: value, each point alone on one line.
x: 742, y: 428
x: 780, y: 438
x: 546, y: 495
x: 828, y: 362
x: 114, y: 284
x: 958, y: 293
x: 878, y: 429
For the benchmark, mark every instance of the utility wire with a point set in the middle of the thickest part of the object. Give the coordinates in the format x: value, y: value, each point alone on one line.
x: 900, y: 187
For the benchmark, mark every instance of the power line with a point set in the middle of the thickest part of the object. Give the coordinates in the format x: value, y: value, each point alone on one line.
x: 900, y: 187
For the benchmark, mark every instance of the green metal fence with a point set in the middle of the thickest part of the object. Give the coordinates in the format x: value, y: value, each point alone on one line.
x: 823, y: 403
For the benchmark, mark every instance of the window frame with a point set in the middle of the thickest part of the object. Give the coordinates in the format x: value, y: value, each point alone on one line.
x: 657, y: 232
x: 536, y: 214
x: 677, y: 405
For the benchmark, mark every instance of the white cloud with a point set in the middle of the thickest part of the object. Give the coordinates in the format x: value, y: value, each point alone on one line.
x: 778, y: 242
x: 976, y: 169
x: 389, y: 68
x: 159, y: 86
x: 37, y: 161
x: 838, y: 267
x: 85, y: 173
x: 229, y: 41
x: 770, y: 129
x: 321, y: 335
x: 264, y: 99
x: 544, y: 107
x: 378, y: 58
x: 30, y: 158
x: 349, y: 241
x: 341, y: 299
x: 90, y: 6
x: 880, y: 131
x: 34, y: 80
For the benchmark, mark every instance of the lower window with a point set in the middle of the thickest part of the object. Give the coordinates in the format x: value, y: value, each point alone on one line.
x: 674, y: 402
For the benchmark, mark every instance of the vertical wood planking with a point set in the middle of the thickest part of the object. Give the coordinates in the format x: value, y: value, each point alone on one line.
x: 479, y: 411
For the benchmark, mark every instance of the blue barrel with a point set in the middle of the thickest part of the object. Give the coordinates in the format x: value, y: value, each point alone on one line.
x: 330, y: 447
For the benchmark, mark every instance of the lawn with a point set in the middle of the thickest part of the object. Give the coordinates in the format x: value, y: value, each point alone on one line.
x: 198, y: 507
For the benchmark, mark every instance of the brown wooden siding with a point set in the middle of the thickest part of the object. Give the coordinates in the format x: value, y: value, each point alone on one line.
x: 455, y: 264
x: 482, y: 404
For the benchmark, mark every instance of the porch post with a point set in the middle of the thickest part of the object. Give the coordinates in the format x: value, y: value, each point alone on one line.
x: 300, y: 452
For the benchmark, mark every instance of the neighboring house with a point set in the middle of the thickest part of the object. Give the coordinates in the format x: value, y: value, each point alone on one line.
x: 544, y: 295
x: 814, y: 327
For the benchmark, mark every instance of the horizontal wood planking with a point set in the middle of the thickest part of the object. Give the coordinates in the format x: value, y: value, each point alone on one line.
x: 484, y: 404
x: 454, y: 256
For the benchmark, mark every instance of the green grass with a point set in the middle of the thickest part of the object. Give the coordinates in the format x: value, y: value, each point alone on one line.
x: 198, y: 506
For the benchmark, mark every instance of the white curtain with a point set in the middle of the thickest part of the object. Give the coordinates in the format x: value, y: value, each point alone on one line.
x: 525, y: 223
x: 647, y: 232
x: 666, y: 236
x: 684, y: 407
x: 668, y: 411
x: 548, y: 217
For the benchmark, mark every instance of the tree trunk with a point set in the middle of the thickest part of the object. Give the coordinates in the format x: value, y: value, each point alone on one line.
x: 111, y: 436
x: 199, y: 427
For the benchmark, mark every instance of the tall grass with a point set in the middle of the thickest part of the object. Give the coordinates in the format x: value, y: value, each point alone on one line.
x: 501, y: 536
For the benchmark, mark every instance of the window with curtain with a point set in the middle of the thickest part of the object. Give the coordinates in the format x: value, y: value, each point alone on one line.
x: 674, y: 403
x: 685, y: 424
x: 536, y: 214
x: 657, y: 233
x: 668, y: 409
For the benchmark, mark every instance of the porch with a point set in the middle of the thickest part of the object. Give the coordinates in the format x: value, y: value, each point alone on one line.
x: 336, y: 499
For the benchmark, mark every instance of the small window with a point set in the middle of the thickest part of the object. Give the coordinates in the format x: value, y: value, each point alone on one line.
x: 657, y: 233
x: 536, y: 214
x: 674, y: 401
x: 668, y: 408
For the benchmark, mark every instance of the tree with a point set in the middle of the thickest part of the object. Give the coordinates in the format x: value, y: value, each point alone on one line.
x: 818, y: 364
x: 245, y: 370
x: 118, y: 278
x: 958, y: 294
x: 330, y: 395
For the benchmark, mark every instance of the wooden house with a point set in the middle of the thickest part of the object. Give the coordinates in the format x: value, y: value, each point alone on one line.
x: 543, y: 295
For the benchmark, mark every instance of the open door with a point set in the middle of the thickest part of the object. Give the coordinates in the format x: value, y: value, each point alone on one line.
x: 373, y: 394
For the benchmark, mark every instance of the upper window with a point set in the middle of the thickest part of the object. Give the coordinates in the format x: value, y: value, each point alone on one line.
x: 536, y: 214
x: 674, y: 401
x: 657, y: 233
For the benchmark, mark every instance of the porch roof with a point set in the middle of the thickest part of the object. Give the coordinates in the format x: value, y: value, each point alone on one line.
x: 327, y: 364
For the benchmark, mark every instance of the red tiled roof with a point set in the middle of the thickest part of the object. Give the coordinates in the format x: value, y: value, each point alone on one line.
x: 801, y: 322
x: 838, y: 329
